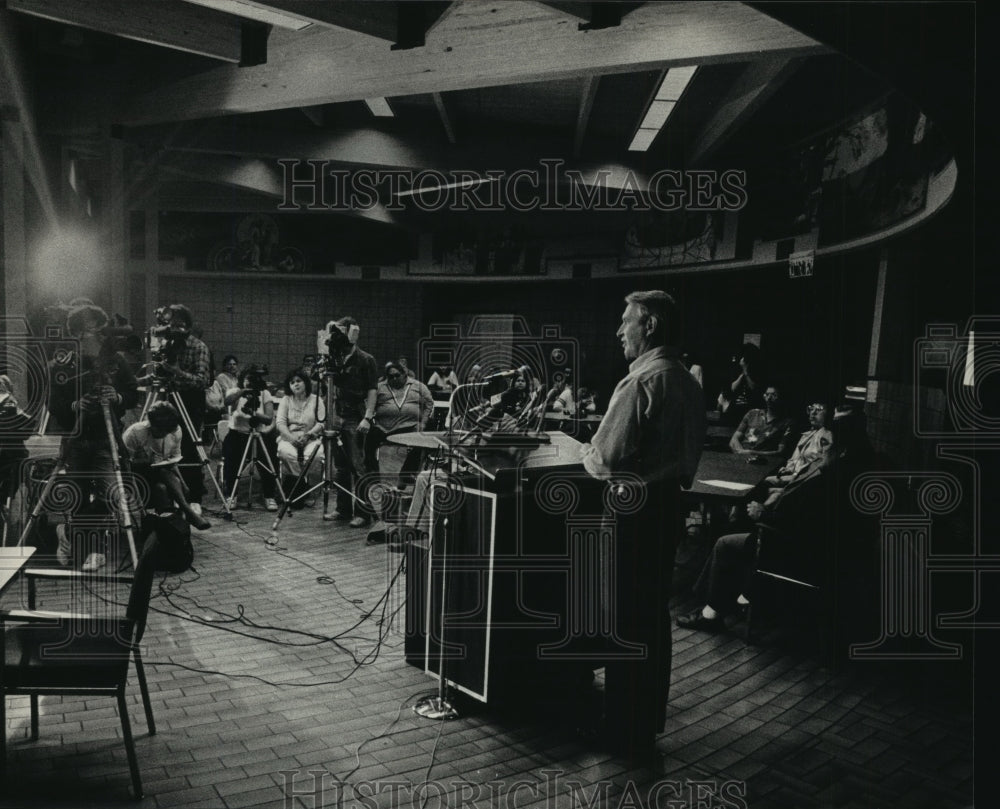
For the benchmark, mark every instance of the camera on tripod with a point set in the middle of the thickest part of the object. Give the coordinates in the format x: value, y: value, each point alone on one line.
x: 338, y: 342
x: 166, y: 340
x: 255, y: 377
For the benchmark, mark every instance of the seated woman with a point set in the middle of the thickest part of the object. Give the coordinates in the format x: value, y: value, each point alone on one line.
x: 443, y: 379
x: 300, y: 419
x: 564, y: 402
x: 154, y: 445
x: 249, y: 409
x: 764, y: 431
x: 215, y: 396
x: 812, y: 509
x: 586, y: 402
x: 813, y: 449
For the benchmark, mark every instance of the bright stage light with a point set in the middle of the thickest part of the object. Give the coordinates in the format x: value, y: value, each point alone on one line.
x: 66, y: 263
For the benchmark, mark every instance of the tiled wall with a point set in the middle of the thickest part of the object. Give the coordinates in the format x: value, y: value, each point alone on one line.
x: 265, y: 321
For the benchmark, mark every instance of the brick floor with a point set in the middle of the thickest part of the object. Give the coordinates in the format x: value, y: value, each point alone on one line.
x: 265, y: 664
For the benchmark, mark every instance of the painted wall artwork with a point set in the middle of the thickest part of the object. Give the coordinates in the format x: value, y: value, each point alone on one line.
x: 483, y: 251
x: 671, y: 238
x: 278, y: 243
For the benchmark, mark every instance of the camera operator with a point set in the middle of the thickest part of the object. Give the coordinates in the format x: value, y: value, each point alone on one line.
x: 186, y: 363
x: 251, y: 406
x: 104, y: 378
x: 355, y: 377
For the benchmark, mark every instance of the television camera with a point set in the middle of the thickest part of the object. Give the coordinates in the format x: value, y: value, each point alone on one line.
x: 256, y: 382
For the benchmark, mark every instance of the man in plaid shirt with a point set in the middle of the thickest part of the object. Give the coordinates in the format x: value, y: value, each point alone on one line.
x: 190, y: 376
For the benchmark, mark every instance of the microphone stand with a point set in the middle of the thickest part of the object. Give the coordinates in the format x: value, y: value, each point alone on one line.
x: 438, y: 707
x: 553, y: 392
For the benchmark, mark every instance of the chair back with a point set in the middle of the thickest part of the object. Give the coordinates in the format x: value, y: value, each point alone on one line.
x: 142, y: 585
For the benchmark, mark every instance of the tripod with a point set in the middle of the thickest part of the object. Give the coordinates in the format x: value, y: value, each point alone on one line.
x: 253, y: 452
x: 123, y: 504
x: 297, y: 493
x: 160, y: 390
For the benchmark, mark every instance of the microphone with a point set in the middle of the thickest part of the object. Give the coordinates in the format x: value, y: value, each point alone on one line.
x: 505, y: 374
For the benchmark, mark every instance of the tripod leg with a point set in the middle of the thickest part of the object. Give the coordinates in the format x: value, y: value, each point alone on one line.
x: 199, y: 447
x: 241, y: 469
x: 286, y: 503
x: 327, y: 475
x: 39, y: 505
x: 267, y: 465
x: 116, y: 464
x: 150, y: 398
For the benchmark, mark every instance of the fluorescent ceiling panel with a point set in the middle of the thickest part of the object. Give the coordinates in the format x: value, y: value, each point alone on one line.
x: 674, y: 83
x: 643, y: 139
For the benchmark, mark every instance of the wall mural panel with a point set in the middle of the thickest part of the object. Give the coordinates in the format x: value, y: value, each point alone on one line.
x: 283, y: 243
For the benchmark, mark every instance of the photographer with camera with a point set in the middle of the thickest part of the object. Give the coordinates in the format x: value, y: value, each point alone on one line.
x: 184, y: 361
x: 106, y: 381
x: 354, y: 375
x: 251, y: 408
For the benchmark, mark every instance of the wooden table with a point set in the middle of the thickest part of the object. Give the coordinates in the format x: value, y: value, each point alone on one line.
x: 723, y: 476
x: 12, y: 560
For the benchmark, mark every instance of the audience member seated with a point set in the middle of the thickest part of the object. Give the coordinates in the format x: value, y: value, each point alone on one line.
x: 301, y: 415
x: 813, y: 449
x: 250, y: 406
x: 564, y: 403
x: 228, y: 378
x: 694, y: 367
x: 814, y: 504
x: 154, y: 445
x: 466, y: 401
x: 745, y: 391
x: 403, y: 363
x: 764, y: 432
x: 508, y: 410
x: 586, y: 402
x: 443, y: 379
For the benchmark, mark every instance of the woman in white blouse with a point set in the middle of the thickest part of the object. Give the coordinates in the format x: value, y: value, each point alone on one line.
x: 300, y: 424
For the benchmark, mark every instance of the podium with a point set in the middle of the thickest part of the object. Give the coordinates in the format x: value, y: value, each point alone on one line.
x: 506, y: 583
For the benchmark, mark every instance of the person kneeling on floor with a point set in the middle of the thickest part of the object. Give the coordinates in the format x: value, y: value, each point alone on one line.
x: 154, y: 446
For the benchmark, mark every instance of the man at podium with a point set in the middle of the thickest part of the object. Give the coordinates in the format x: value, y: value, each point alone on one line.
x: 647, y: 447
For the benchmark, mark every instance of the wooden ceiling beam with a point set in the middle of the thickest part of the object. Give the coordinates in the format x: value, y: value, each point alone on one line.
x: 370, y: 148
x: 169, y: 24
x: 473, y: 48
x: 449, y: 130
x: 587, y: 96
x: 755, y: 85
x: 254, y: 175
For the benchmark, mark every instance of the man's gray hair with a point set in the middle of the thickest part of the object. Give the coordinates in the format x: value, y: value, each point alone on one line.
x: 664, y: 308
